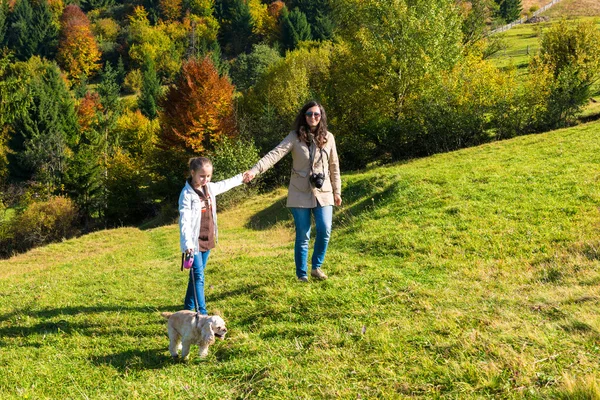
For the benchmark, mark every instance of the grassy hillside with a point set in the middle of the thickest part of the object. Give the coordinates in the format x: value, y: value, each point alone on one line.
x: 464, y: 275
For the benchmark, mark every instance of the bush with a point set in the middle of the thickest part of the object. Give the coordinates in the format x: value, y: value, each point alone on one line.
x: 570, y: 53
x: 231, y: 157
x: 128, y: 200
x: 471, y: 104
x: 40, y: 223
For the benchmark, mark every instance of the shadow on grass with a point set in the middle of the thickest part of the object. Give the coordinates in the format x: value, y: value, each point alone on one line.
x: 369, y: 201
x: 270, y: 216
x: 243, y: 290
x: 35, y: 333
x: 53, y: 312
x: 135, y: 360
x: 365, y: 193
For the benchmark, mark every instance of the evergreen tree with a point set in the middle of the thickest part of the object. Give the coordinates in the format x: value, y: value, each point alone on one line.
x: 248, y: 68
x: 43, y: 30
x: 216, y: 57
x: 318, y: 15
x: 18, y: 33
x: 80, y: 88
x: 109, y: 91
x: 148, y: 102
x: 42, y: 135
x: 510, y: 10
x: 14, y: 102
x: 238, y: 32
x: 84, y: 180
x: 4, y: 11
x: 31, y: 30
x: 152, y: 7
x: 295, y: 28
x: 121, y: 72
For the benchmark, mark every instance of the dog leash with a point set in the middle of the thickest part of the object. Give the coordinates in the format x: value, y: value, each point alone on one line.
x: 195, y: 296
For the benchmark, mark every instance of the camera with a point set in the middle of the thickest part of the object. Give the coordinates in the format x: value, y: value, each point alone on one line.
x: 317, y: 180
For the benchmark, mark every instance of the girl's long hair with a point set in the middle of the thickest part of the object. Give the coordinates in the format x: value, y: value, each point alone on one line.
x: 303, y: 130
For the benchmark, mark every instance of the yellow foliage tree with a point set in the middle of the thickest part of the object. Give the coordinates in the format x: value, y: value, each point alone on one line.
x: 78, y: 52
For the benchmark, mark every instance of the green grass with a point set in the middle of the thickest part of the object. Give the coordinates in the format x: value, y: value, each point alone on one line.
x: 520, y: 44
x: 472, y: 274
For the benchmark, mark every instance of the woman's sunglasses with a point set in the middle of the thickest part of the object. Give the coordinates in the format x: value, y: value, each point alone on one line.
x: 313, y: 114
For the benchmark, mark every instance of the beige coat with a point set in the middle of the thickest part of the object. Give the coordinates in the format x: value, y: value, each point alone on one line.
x: 300, y: 191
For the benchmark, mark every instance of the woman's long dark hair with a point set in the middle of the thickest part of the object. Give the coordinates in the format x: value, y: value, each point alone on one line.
x: 303, y: 130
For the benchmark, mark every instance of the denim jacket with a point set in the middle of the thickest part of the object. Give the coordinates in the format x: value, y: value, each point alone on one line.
x: 190, y: 210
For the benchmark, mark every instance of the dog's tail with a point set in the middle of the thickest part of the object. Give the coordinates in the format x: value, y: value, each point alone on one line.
x: 166, y: 315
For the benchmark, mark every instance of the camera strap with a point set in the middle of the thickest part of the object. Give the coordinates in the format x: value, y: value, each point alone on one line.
x: 311, y: 151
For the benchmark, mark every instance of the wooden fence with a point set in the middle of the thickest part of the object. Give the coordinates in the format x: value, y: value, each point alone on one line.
x: 524, y: 19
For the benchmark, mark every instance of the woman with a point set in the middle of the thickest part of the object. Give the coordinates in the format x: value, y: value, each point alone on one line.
x: 315, y: 184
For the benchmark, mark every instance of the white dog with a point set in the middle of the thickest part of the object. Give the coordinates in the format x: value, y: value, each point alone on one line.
x: 188, y: 327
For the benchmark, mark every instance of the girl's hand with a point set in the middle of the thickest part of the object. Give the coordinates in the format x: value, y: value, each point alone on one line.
x: 248, y: 176
x: 189, y: 251
x: 337, y: 199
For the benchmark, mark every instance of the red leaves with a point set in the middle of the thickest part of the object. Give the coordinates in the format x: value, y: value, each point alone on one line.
x: 78, y: 51
x: 198, y: 110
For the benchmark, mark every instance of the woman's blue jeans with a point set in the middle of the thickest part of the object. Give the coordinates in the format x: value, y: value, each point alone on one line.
x: 197, y: 278
x: 323, y: 218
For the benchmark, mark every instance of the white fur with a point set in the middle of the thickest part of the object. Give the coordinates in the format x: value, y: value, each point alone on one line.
x: 187, y: 327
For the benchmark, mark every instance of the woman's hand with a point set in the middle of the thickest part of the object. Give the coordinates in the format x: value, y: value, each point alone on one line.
x: 248, y: 176
x: 337, y: 199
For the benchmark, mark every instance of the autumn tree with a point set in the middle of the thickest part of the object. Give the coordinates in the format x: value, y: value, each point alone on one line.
x: 272, y: 26
x: 200, y: 8
x: 198, y: 110
x: 282, y: 89
x: 164, y: 43
x: 170, y: 9
x: 87, y: 109
x: 78, y: 51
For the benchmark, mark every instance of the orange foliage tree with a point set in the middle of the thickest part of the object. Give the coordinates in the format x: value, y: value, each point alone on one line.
x: 198, y: 110
x: 170, y: 9
x: 78, y: 51
x: 87, y: 110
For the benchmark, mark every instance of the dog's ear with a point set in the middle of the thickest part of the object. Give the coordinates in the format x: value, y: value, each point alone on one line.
x: 208, y: 335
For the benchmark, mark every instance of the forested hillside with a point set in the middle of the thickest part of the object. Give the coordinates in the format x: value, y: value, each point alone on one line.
x: 102, y: 102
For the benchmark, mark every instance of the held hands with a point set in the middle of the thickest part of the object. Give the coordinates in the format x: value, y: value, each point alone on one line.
x: 248, y: 176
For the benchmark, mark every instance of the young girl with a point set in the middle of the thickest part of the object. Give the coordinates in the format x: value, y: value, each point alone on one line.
x: 198, y: 224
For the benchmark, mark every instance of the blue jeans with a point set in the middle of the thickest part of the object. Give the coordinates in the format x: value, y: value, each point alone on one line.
x: 197, y: 277
x: 323, y: 218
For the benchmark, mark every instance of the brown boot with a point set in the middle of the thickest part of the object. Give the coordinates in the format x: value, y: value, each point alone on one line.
x: 318, y: 274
